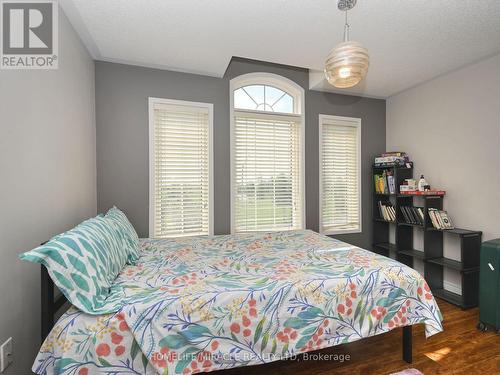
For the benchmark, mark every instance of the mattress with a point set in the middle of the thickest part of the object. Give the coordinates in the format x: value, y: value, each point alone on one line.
x: 200, y: 304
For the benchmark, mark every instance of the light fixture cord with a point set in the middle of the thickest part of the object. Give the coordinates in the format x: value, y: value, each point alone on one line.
x: 346, y: 29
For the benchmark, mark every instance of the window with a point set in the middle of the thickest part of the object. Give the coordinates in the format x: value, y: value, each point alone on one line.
x: 263, y: 98
x: 181, y: 190
x: 267, y: 156
x: 340, y: 174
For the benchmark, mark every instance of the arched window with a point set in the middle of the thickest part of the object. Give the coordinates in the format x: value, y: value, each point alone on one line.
x: 267, y: 153
x: 263, y: 98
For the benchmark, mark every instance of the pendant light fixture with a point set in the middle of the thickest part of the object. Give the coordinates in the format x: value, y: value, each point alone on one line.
x: 347, y: 64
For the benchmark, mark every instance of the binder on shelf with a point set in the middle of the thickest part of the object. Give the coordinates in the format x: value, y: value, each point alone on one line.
x: 405, y: 215
x: 413, y: 215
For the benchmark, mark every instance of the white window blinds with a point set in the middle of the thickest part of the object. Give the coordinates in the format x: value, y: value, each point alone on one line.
x: 340, y: 203
x: 180, y: 144
x: 267, y: 158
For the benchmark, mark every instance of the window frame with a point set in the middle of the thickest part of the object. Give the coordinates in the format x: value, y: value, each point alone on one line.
x: 152, y: 101
x: 298, y: 95
x: 354, y: 122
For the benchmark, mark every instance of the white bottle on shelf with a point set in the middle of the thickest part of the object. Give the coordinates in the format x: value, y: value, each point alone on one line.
x: 421, y: 183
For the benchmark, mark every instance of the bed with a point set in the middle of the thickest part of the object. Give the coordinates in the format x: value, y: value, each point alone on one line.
x: 199, y: 304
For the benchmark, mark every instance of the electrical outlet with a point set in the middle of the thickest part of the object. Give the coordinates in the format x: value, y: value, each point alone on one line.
x: 6, y: 354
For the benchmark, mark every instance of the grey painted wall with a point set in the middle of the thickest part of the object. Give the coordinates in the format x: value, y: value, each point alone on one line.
x: 450, y: 126
x: 122, y: 93
x: 122, y: 135
x: 48, y: 178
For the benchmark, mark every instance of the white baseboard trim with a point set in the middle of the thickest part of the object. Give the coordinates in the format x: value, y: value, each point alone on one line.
x: 452, y: 287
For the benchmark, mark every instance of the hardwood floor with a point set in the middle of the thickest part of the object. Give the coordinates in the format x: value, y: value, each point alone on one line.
x: 460, y: 349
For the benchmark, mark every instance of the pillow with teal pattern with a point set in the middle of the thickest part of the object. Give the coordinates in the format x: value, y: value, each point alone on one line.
x: 83, y: 262
x: 127, y: 233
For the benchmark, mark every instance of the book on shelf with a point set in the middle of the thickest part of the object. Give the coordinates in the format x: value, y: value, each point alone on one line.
x: 389, y: 159
x: 393, y: 153
x: 390, y: 183
x: 387, y: 211
x: 440, y: 219
x: 433, y: 218
x: 384, y: 183
x: 393, y: 159
x: 406, y: 218
x: 420, y: 212
x: 400, y: 164
x: 413, y: 215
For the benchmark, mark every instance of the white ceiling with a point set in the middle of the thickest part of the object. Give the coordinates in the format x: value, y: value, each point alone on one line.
x: 410, y: 41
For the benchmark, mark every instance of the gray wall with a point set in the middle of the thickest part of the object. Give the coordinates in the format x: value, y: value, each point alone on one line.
x: 48, y: 178
x: 122, y: 93
x: 122, y: 135
x: 451, y: 128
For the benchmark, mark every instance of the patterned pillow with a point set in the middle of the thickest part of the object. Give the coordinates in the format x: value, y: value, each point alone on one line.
x: 83, y: 262
x: 127, y: 232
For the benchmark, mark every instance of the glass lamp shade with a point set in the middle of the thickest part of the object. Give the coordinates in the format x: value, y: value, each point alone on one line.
x: 347, y: 64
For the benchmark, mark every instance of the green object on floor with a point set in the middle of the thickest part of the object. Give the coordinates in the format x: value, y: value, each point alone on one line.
x: 489, y: 284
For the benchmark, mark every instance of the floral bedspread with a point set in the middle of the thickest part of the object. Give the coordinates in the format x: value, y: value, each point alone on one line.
x: 209, y: 303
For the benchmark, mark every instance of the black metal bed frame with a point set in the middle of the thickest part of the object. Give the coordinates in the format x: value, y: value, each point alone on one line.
x: 51, y: 306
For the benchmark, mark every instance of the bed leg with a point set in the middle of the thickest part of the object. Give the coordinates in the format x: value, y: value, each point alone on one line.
x: 407, y: 344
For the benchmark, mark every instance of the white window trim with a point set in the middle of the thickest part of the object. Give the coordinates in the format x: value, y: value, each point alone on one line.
x: 355, y: 122
x: 298, y: 95
x: 210, y: 107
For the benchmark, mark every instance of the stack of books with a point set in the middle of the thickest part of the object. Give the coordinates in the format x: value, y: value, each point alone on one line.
x: 440, y: 219
x: 413, y: 215
x: 387, y: 211
x: 384, y: 183
x: 392, y: 159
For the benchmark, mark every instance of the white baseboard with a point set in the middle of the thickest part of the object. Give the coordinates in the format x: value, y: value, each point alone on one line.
x: 452, y: 287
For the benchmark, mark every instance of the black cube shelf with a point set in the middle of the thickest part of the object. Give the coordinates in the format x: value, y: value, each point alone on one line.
x: 432, y: 254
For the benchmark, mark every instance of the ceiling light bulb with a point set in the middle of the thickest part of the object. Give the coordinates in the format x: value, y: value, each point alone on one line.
x: 344, y: 72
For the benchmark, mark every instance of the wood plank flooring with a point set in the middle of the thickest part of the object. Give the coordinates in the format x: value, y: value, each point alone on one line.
x: 460, y: 349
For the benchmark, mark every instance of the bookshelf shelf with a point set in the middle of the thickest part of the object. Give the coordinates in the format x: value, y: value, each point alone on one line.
x: 390, y: 167
x: 453, y: 298
x: 413, y: 253
x: 420, y: 196
x: 457, y: 231
x: 386, y: 246
x: 411, y: 225
x: 432, y: 254
x: 449, y: 263
x: 404, y: 196
x: 383, y: 221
